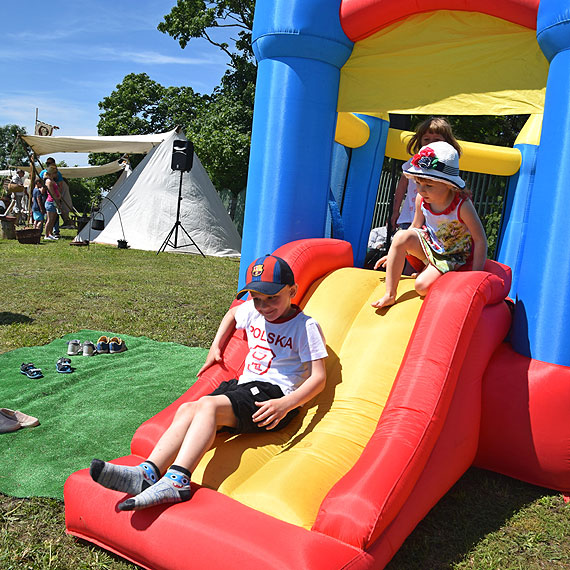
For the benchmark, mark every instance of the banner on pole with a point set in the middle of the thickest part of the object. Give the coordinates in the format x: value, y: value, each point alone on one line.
x: 43, y: 129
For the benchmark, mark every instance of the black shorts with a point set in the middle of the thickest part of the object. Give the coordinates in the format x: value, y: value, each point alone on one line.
x: 243, y: 398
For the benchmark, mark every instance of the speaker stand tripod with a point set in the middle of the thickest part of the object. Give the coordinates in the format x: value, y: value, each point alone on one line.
x: 178, y: 225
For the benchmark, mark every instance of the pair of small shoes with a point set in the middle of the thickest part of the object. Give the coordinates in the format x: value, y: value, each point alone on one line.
x: 63, y: 365
x: 31, y: 371
x: 106, y: 345
x: 8, y: 417
x: 76, y: 347
x: 116, y: 345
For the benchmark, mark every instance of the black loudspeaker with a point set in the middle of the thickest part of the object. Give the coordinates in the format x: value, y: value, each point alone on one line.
x: 182, y: 155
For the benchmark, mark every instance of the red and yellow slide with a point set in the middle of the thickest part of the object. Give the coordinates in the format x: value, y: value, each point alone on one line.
x: 345, y: 483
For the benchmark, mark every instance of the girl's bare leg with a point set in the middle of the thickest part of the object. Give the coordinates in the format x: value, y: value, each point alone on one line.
x: 405, y: 241
x: 426, y: 279
x: 51, y: 217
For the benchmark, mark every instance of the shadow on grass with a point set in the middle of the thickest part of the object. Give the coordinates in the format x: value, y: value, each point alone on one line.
x: 478, y: 504
x: 13, y: 318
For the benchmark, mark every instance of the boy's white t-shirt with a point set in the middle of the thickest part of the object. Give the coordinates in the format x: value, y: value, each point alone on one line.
x: 279, y: 351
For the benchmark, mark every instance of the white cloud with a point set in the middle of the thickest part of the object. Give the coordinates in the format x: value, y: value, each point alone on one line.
x: 154, y: 57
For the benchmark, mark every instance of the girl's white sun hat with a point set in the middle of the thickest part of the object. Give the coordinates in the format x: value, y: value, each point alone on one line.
x: 437, y: 161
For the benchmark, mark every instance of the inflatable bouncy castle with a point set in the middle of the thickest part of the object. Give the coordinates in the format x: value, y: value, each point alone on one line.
x: 415, y: 394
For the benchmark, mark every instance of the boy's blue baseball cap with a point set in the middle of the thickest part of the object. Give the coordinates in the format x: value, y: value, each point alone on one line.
x: 267, y: 275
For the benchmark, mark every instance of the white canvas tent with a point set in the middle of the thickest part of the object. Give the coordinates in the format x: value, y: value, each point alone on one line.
x: 146, y: 204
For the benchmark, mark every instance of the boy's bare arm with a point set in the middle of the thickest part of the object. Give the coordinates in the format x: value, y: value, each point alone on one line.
x: 271, y: 412
x: 225, y: 330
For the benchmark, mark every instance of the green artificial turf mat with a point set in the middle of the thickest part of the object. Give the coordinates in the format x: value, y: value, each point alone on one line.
x: 92, y: 412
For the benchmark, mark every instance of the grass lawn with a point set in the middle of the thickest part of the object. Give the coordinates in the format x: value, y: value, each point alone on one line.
x: 486, y: 521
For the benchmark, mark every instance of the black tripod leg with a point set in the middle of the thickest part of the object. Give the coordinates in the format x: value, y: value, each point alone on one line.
x: 190, y: 238
x: 166, y: 241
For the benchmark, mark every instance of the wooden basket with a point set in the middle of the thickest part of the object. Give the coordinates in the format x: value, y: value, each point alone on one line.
x: 29, y: 235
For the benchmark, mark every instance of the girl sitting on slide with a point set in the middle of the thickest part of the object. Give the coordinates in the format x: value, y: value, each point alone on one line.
x: 446, y: 232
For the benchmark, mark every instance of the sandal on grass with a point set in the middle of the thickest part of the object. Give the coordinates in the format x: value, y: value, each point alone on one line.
x: 63, y: 365
x: 31, y: 371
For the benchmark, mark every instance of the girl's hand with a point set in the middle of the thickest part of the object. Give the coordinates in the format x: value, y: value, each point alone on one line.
x: 381, y: 262
x: 270, y: 413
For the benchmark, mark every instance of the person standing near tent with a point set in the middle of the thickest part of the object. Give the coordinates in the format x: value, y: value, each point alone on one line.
x: 18, y: 190
x: 18, y: 180
x: 38, y: 204
x: 52, y: 201
x: 66, y: 202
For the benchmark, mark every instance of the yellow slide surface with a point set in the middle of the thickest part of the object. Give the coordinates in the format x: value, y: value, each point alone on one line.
x: 287, y: 474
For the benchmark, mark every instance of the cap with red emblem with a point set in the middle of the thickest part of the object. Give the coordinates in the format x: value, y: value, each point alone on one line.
x: 267, y: 275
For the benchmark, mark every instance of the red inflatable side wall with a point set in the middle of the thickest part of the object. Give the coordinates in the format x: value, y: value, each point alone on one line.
x: 362, y: 18
x: 455, y: 448
x: 525, y: 425
x: 392, y: 462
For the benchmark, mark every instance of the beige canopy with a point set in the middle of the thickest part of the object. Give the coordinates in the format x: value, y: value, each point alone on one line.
x: 76, y: 171
x: 134, y: 144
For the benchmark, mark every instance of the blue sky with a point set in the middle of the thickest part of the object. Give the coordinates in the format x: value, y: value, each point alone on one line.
x: 64, y: 57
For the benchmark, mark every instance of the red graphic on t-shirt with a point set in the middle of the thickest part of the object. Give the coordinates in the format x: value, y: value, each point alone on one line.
x: 260, y: 358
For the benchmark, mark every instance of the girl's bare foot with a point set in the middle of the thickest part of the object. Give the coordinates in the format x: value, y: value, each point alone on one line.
x: 385, y: 301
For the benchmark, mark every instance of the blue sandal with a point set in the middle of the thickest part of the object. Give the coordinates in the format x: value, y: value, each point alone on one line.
x: 31, y: 371
x: 63, y: 365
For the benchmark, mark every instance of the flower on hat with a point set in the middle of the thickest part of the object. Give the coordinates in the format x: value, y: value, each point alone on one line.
x: 426, y: 158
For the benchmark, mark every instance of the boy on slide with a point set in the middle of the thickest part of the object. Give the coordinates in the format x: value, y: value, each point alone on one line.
x: 283, y: 370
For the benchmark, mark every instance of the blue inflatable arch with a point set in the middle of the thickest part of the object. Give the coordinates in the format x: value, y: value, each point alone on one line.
x: 301, y: 47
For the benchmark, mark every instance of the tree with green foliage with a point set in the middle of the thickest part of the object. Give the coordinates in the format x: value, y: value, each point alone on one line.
x: 12, y: 149
x: 484, y: 129
x: 141, y: 106
x: 197, y: 19
x: 222, y: 129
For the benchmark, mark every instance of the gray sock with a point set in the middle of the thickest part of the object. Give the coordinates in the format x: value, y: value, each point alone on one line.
x: 174, y: 487
x: 131, y: 480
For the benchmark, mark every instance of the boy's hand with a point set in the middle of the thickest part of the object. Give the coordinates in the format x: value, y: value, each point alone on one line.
x: 214, y: 357
x: 270, y: 412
